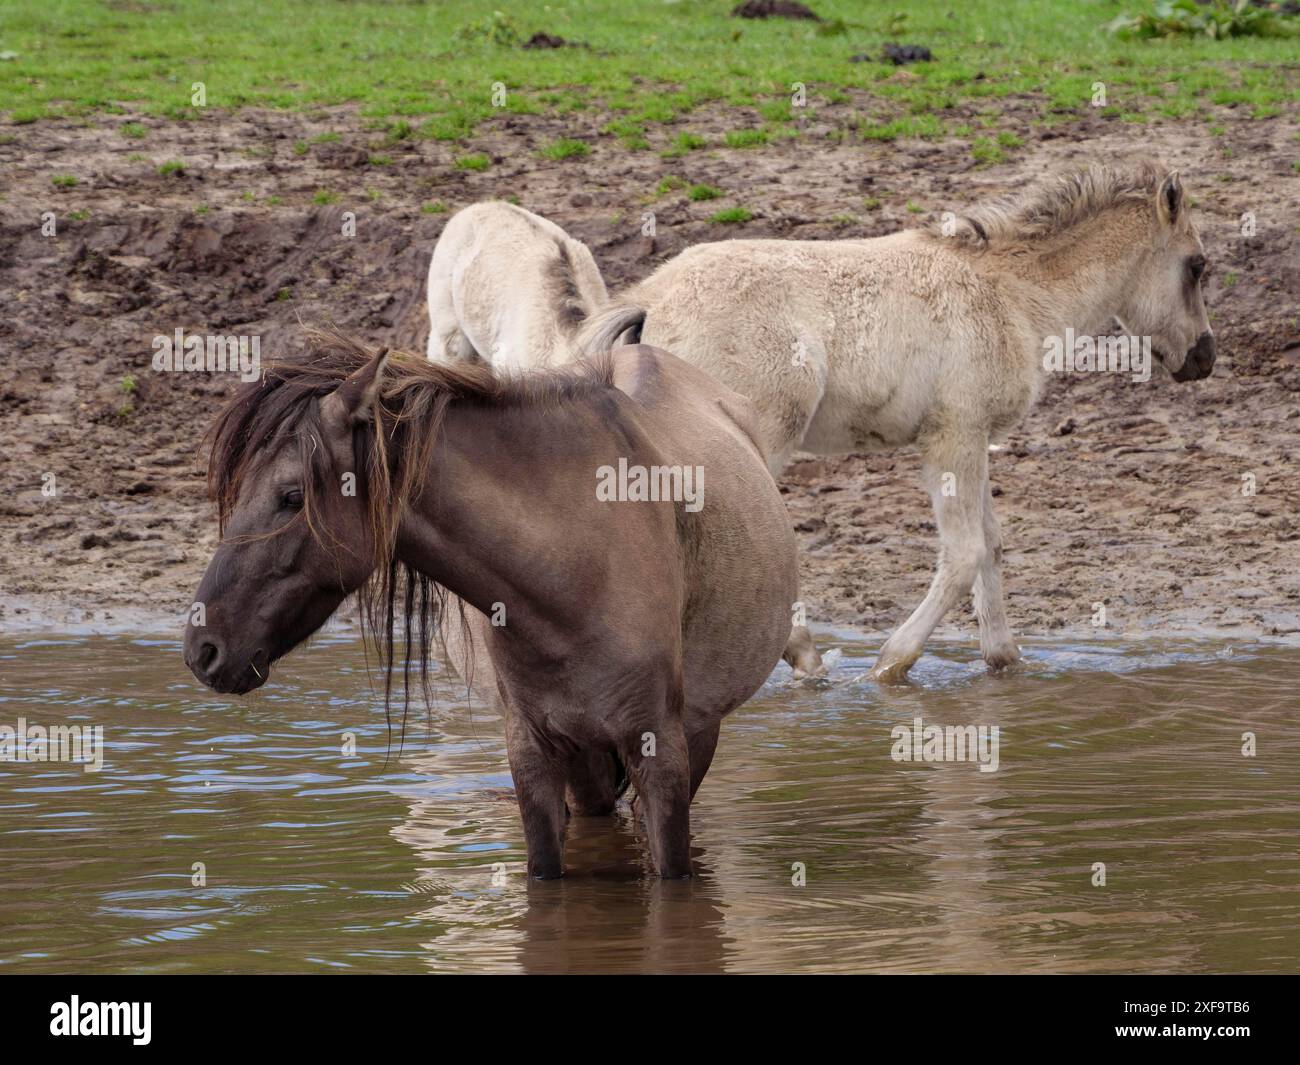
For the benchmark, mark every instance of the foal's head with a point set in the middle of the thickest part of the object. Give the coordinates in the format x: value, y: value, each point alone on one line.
x: 1165, y: 301
x: 292, y: 472
x: 1151, y: 251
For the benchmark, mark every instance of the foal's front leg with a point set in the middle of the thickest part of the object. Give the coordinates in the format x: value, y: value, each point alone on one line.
x: 956, y: 473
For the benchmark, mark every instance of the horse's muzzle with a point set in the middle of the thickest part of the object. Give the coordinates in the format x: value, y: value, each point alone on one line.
x: 1199, y: 361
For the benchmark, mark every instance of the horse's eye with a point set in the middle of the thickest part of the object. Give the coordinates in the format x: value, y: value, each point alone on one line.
x: 292, y: 499
x: 1196, y: 264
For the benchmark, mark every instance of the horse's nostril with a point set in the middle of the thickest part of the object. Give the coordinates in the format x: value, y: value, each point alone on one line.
x: 207, y: 656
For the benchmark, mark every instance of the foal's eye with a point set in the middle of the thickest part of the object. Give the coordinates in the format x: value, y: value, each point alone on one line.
x: 292, y: 499
x: 1196, y: 264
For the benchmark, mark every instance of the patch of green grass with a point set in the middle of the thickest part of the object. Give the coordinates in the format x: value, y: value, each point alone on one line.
x: 669, y: 183
x: 172, y: 166
x: 127, y: 384
x: 324, y: 198
x: 380, y: 160
x: 732, y: 215
x: 472, y: 162
x: 133, y: 130
x: 986, y: 151
x: 299, y: 147
x: 703, y: 192
x: 566, y: 148
x: 683, y: 143
x: 436, y: 207
x: 79, y: 215
x: 911, y: 126
x: 914, y: 208
x: 63, y: 181
x: 745, y: 138
x: 423, y: 75
x: 326, y: 138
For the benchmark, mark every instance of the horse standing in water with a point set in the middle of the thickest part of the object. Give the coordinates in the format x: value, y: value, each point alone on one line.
x: 935, y: 338
x: 632, y: 626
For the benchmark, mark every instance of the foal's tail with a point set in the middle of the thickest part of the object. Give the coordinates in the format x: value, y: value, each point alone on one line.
x: 620, y: 323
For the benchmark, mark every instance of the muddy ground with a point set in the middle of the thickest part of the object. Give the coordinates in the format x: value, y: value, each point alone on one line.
x: 1111, y: 491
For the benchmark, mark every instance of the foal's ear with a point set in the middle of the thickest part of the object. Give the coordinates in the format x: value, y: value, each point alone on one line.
x: 354, y: 400
x: 1169, y: 199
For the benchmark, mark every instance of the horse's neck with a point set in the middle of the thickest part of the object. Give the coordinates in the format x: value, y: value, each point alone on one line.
x: 484, y: 526
x: 1078, y: 279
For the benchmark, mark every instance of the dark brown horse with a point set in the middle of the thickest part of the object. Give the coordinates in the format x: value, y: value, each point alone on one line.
x: 612, y: 626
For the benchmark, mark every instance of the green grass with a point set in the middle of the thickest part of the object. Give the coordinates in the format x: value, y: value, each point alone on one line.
x: 172, y: 166
x: 566, y: 148
x: 732, y: 214
x: 745, y: 138
x: 683, y: 143
x: 426, y: 71
x: 64, y: 181
x: 703, y: 192
x: 473, y: 162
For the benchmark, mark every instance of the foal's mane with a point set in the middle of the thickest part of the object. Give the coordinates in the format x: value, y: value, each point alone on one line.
x: 393, y: 449
x: 1057, y: 203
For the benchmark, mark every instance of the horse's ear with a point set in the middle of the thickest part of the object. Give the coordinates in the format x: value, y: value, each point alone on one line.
x: 1169, y: 199
x: 354, y: 400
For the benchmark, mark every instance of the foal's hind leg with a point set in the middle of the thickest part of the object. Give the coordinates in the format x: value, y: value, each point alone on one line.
x: 956, y: 472
x: 997, y: 644
x: 663, y: 785
x: 539, y: 774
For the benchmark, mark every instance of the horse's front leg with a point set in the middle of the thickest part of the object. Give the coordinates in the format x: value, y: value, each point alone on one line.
x: 956, y: 474
x: 661, y: 770
x: 539, y: 774
x: 997, y: 644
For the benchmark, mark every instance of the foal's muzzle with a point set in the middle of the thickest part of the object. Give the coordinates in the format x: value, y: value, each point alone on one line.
x: 1199, y: 361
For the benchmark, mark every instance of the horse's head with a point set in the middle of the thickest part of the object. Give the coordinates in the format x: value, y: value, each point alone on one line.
x: 297, y: 536
x: 1164, y: 300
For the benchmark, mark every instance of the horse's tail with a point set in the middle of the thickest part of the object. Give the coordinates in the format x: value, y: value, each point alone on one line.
x: 620, y: 323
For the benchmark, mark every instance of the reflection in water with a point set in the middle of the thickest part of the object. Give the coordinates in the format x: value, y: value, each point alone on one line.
x: 232, y: 835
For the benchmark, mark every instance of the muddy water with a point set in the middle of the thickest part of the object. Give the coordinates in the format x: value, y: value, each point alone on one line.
x: 317, y: 859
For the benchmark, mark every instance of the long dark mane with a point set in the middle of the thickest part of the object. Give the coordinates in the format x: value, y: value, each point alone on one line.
x: 393, y: 449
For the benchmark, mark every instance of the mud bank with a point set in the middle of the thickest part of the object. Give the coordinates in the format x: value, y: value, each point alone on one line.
x: 1112, y: 491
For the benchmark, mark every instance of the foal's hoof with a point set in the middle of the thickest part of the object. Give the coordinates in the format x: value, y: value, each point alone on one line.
x: 893, y: 671
x: 999, y: 660
x: 801, y: 653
